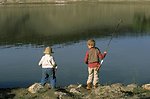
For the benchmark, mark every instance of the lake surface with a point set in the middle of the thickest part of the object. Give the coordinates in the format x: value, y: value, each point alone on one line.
x: 25, y: 30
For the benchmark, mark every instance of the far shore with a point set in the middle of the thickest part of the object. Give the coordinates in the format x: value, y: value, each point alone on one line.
x: 61, y: 2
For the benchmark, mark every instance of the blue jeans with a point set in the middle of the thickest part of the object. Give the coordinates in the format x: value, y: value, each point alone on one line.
x: 48, y: 75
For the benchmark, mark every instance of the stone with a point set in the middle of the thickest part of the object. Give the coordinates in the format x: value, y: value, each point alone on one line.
x: 72, y: 86
x: 79, y: 86
x: 146, y: 86
x: 35, y: 88
x: 75, y: 91
x: 129, y: 88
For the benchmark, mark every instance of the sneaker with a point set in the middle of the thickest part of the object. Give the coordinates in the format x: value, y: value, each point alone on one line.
x: 95, y: 86
x: 48, y: 86
x: 88, y: 86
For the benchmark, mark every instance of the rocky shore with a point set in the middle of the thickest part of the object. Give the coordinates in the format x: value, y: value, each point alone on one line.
x: 78, y: 91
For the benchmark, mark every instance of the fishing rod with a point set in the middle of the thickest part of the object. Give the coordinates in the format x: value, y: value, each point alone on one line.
x: 120, y: 21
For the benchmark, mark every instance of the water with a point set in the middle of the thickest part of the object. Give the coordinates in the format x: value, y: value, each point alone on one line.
x: 26, y: 29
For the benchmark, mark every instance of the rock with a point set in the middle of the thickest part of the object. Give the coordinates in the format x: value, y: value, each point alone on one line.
x: 72, y: 86
x: 79, y: 86
x: 75, y: 91
x: 116, y: 87
x: 35, y: 88
x: 132, y: 86
x: 75, y: 88
x: 60, y: 93
x: 146, y: 86
x: 129, y: 88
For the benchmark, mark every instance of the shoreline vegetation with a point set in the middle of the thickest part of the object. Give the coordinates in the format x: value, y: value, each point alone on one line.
x: 10, y: 2
x: 78, y: 91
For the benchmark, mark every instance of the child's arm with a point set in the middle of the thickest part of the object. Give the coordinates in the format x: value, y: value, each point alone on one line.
x: 101, y: 56
x: 53, y: 62
x: 40, y: 62
x: 105, y: 53
x: 86, y: 57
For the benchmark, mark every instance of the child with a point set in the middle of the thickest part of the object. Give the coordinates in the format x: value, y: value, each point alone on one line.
x: 92, y: 58
x: 48, y: 68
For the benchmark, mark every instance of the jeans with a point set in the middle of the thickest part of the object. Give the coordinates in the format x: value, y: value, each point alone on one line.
x: 48, y: 75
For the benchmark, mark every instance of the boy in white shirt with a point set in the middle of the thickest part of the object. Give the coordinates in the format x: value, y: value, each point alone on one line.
x: 48, y: 68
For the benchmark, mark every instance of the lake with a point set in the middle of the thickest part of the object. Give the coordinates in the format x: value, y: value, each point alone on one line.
x: 25, y: 30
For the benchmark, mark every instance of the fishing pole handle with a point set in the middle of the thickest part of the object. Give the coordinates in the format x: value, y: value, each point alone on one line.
x: 102, y: 61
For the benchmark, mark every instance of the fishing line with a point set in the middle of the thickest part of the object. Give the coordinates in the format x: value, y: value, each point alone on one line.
x: 112, y: 35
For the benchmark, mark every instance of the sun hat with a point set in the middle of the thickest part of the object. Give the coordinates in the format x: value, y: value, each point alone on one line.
x: 48, y: 50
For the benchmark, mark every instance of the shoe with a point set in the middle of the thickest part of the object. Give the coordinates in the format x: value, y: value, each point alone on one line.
x: 95, y: 86
x: 88, y: 86
x: 48, y: 86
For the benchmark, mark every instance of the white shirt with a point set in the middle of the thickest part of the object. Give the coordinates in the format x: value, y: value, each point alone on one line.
x: 47, y: 61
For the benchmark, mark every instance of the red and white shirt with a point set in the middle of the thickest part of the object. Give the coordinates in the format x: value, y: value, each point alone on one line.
x: 93, y: 57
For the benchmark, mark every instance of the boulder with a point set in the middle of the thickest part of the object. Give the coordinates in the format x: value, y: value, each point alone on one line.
x: 129, y: 88
x: 35, y: 88
x: 75, y: 91
x: 146, y: 86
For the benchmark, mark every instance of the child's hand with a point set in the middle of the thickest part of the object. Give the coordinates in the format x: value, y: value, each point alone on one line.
x: 40, y: 65
x: 105, y: 52
x: 55, y: 69
x: 86, y: 62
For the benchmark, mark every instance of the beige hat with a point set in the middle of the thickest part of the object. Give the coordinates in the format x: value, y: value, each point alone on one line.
x: 48, y: 50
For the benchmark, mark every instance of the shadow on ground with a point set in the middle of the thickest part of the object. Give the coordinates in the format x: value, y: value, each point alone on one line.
x: 6, y: 94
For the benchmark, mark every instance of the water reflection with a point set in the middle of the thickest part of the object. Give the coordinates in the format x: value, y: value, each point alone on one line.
x: 55, y: 24
x: 141, y: 22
